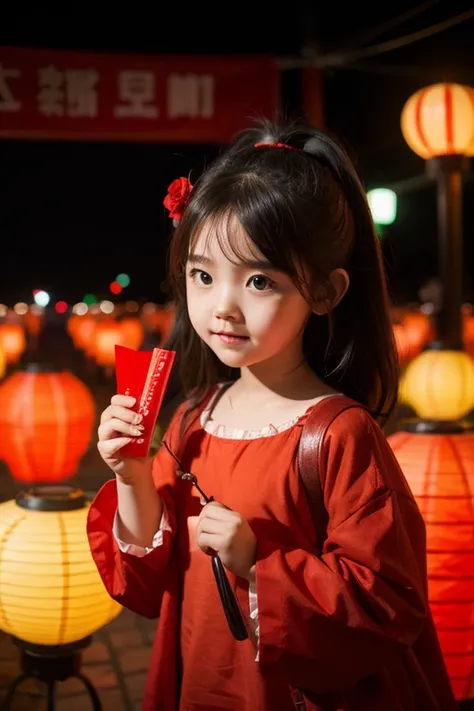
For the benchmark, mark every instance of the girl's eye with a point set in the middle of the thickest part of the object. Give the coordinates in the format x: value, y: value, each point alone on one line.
x: 260, y: 282
x: 200, y: 277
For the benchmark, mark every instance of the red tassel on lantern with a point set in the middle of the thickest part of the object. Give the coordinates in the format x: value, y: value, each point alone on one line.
x: 438, y: 462
x: 46, y: 421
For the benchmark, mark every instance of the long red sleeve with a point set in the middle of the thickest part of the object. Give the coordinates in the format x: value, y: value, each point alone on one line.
x: 327, y: 623
x: 136, y: 582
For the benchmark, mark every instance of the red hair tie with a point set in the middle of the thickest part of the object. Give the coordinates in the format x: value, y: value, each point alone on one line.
x: 276, y: 145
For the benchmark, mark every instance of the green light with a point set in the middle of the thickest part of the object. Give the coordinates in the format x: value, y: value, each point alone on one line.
x: 89, y: 299
x: 123, y: 280
x: 383, y: 205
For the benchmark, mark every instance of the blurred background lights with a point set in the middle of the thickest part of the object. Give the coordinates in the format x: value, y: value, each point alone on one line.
x: 131, y: 306
x: 61, y: 307
x: 106, y: 307
x: 115, y: 287
x: 21, y: 308
x: 41, y: 297
x: 123, y: 280
x: 89, y: 299
x: 3, y: 310
x: 383, y: 205
x: 80, y: 309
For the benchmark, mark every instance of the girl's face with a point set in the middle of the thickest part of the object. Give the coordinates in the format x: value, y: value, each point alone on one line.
x: 246, y: 311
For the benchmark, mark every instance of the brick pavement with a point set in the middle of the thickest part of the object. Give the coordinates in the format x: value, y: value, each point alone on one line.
x: 115, y: 662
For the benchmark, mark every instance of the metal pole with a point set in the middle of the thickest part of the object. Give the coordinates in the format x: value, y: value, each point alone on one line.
x: 447, y: 170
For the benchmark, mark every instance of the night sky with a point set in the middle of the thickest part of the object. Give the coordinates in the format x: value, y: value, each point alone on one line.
x: 73, y: 215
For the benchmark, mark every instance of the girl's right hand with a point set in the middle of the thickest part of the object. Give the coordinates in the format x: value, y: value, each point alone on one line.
x: 119, y: 425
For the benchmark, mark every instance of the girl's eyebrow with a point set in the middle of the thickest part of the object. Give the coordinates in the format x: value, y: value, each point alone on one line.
x: 247, y: 263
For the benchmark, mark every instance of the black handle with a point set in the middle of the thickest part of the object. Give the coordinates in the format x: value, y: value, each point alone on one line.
x: 229, y: 603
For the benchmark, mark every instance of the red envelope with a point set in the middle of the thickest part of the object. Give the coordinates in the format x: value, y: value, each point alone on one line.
x: 144, y: 375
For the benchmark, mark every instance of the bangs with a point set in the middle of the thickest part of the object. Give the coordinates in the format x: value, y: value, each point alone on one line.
x: 245, y: 239
x: 233, y: 240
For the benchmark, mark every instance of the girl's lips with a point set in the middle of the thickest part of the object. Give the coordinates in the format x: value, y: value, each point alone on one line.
x: 231, y: 339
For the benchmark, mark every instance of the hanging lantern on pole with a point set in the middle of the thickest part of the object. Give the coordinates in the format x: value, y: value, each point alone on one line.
x: 437, y: 123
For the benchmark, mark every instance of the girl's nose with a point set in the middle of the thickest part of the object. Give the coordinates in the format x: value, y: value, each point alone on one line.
x: 227, y: 308
x: 225, y: 312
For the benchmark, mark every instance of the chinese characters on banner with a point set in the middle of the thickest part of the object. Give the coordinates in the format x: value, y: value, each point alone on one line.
x: 82, y: 96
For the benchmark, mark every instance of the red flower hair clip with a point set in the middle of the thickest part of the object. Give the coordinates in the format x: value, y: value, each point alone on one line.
x: 177, y: 197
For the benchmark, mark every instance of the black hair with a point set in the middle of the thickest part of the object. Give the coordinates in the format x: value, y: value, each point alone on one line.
x: 301, y: 203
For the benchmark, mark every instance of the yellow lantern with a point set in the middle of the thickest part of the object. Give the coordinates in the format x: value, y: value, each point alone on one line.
x: 438, y: 120
x: 50, y: 590
x: 439, y: 385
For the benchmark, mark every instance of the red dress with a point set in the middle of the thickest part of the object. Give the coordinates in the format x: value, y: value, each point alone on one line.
x: 352, y: 628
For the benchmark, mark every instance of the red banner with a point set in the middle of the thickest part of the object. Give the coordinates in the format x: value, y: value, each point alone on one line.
x: 83, y: 96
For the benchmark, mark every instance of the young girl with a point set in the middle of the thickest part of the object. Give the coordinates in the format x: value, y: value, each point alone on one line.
x: 280, y: 303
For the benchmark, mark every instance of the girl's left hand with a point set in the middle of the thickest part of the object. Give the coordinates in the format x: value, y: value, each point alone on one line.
x: 223, y: 531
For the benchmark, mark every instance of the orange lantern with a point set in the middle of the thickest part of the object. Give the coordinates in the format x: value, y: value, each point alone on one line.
x: 167, y: 321
x: 12, y: 341
x: 438, y: 462
x: 438, y: 120
x: 46, y: 420
x: 108, y: 334
x: 468, y: 334
x: 402, y: 343
x: 3, y: 362
x: 82, y: 330
x: 418, y: 329
x: 33, y: 321
x: 133, y: 332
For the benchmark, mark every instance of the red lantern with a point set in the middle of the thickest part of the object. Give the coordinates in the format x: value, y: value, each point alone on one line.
x: 46, y: 420
x: 438, y: 462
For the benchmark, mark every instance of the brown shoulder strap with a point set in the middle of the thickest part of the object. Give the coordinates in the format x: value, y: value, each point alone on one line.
x: 309, y: 457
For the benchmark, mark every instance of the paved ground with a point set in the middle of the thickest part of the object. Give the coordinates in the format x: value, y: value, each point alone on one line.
x: 116, y: 663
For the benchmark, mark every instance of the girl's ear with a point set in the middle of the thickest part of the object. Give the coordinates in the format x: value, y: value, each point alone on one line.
x: 339, y: 280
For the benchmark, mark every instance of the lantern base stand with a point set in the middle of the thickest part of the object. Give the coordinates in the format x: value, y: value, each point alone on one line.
x: 445, y: 345
x: 437, y: 427
x: 51, y: 664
